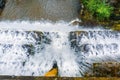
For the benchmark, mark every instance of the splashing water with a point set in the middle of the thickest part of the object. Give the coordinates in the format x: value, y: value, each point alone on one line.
x: 30, y: 49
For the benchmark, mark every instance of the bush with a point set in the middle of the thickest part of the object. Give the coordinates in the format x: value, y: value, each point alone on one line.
x: 98, y: 8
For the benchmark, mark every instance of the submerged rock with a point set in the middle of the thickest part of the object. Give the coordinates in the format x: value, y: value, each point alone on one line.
x: 37, y: 9
x: 2, y: 5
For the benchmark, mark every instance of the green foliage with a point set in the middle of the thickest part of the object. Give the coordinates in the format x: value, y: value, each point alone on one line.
x: 98, y: 8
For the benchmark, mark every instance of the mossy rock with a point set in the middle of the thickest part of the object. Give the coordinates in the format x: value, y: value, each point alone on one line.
x: 116, y: 27
x: 104, y: 69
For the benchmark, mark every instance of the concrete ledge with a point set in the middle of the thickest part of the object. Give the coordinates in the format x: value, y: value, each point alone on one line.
x: 56, y: 78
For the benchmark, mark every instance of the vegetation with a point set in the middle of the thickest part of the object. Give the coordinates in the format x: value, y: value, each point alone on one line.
x: 98, y: 8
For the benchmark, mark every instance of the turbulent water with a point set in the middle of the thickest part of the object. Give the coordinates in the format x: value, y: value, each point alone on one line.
x: 30, y: 48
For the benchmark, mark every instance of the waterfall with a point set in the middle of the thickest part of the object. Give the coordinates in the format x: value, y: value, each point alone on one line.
x: 30, y: 48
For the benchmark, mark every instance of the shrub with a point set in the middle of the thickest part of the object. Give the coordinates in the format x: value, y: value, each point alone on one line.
x: 98, y: 8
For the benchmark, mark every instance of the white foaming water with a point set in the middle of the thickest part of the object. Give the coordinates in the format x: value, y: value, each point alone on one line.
x: 101, y: 46
x: 45, y: 26
x: 36, y: 26
x: 25, y: 51
x: 17, y: 37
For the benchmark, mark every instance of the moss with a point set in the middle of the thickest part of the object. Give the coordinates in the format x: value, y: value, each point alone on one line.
x: 116, y: 27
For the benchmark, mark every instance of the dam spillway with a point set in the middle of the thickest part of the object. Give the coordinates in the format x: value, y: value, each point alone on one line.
x: 28, y: 51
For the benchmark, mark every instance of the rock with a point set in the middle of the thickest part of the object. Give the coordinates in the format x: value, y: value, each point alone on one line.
x: 53, y: 72
x: 116, y: 27
x: 105, y: 69
x: 2, y: 5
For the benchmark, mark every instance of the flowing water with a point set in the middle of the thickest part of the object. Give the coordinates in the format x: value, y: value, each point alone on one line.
x: 30, y: 48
